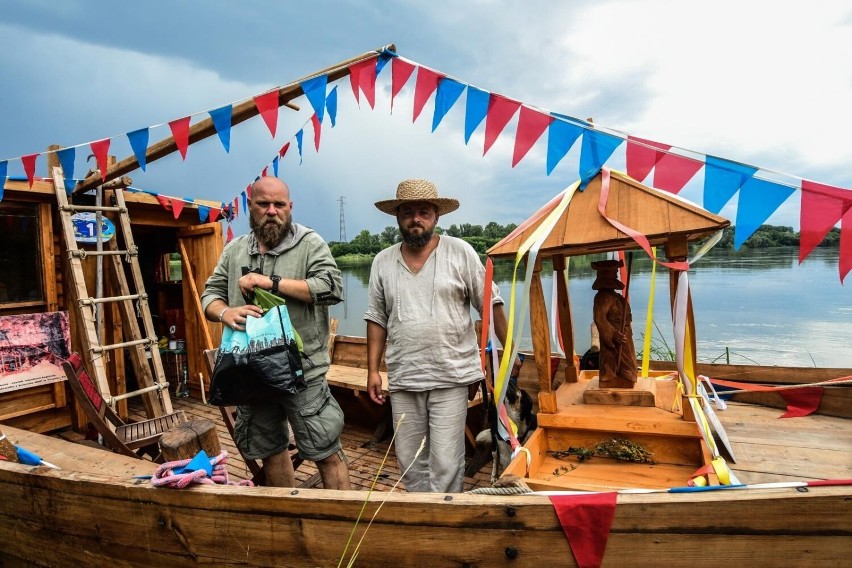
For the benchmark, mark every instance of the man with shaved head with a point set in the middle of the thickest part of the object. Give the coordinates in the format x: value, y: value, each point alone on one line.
x: 291, y: 261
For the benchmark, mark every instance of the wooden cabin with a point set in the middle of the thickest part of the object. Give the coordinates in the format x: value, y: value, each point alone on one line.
x: 34, y: 279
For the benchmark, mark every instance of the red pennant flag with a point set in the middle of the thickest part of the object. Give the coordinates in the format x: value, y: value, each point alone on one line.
x: 230, y: 235
x: 500, y: 111
x: 29, y: 163
x: 673, y: 171
x: 822, y: 207
x: 236, y: 207
x: 317, y: 130
x: 100, y: 149
x: 845, y: 260
x: 180, y: 132
x: 801, y: 401
x: 586, y: 521
x: 531, y: 125
x: 214, y: 214
x: 401, y: 71
x: 177, y: 206
x: 362, y: 76
x: 427, y: 82
x: 262, y: 174
x: 267, y: 106
x: 283, y: 151
x: 248, y: 188
x: 642, y: 155
x: 165, y: 202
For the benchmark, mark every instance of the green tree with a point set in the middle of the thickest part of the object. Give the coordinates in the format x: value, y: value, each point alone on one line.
x: 390, y: 235
x: 494, y: 230
x: 454, y: 231
x: 468, y: 230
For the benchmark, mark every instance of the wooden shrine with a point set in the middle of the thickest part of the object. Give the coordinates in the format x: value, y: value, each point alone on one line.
x: 581, y: 414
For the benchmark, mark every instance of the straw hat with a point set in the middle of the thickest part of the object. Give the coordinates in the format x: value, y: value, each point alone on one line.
x: 411, y: 190
x: 607, y: 275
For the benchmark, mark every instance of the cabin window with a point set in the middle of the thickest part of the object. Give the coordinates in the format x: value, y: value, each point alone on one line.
x: 20, y: 254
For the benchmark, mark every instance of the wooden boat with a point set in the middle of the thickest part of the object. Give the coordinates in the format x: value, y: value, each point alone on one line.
x: 93, y: 510
x: 791, y: 507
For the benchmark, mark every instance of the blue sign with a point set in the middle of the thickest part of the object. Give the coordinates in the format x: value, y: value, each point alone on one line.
x: 85, y: 228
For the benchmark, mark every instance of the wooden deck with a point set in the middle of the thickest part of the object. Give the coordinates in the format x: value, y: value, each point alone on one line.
x: 365, y: 459
x: 768, y: 448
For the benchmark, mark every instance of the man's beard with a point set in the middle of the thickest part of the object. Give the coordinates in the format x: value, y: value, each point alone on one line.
x: 270, y: 231
x: 416, y: 241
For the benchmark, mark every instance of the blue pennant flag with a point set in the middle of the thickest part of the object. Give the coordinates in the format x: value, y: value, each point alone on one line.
x: 222, y: 122
x: 67, y: 157
x: 203, y: 213
x: 384, y: 57
x: 758, y: 200
x: 561, y: 135
x: 314, y: 89
x: 4, y: 167
x: 477, y: 108
x: 200, y: 461
x: 139, y: 142
x: 299, y: 136
x: 244, y: 198
x: 449, y: 92
x: 722, y: 179
x: 596, y: 150
x: 27, y: 457
x: 331, y: 106
x: 275, y: 166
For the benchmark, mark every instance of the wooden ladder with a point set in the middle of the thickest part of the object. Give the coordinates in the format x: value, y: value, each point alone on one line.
x: 132, y: 305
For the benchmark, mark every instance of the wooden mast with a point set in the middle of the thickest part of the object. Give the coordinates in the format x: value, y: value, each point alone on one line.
x: 204, y: 129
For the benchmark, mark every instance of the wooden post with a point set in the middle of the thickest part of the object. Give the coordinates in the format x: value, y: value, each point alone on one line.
x: 566, y: 324
x: 185, y: 440
x: 541, y: 341
x: 677, y: 250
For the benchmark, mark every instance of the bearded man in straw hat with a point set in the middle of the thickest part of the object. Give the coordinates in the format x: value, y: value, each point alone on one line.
x: 420, y: 296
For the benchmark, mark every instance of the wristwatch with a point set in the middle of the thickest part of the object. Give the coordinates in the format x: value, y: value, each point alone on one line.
x: 275, y: 281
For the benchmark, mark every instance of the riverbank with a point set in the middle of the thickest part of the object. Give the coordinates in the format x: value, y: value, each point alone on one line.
x: 351, y: 260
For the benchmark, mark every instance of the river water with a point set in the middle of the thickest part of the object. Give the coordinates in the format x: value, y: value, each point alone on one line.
x: 751, y: 307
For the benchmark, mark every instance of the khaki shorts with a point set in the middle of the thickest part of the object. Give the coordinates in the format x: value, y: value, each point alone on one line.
x: 260, y: 430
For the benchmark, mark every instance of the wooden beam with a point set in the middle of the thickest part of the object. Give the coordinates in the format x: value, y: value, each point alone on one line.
x: 204, y: 129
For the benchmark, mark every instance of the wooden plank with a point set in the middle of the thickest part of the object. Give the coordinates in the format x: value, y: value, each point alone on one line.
x: 644, y: 393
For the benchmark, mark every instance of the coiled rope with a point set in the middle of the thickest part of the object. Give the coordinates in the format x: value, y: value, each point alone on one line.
x: 166, y: 475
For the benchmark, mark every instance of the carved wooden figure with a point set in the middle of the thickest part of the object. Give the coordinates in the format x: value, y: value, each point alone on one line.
x: 614, y: 323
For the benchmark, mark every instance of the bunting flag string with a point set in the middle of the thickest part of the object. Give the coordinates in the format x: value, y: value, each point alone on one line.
x: 267, y: 106
x: 180, y: 133
x: 138, y: 143
x: 100, y: 149
x: 761, y: 191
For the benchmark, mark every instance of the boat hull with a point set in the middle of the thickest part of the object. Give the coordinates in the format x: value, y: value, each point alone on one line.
x: 65, y: 518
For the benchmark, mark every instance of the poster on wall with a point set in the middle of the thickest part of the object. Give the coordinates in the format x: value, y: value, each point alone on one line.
x: 32, y: 348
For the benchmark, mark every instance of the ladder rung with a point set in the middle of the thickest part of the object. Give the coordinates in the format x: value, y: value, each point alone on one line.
x: 82, y: 253
x: 70, y: 207
x: 155, y: 387
x: 93, y: 301
x: 143, y: 341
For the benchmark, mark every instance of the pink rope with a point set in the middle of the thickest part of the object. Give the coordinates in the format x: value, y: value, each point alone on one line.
x: 165, y: 475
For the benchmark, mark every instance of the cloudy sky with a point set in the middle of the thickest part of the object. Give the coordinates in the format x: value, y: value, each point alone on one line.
x: 766, y: 84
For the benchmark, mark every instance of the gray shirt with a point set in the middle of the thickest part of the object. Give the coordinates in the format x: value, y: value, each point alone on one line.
x: 431, y: 340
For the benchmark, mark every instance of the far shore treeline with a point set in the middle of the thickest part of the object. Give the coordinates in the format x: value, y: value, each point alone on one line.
x: 361, y: 249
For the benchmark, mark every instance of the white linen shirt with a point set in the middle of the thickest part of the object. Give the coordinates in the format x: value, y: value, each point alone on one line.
x: 431, y: 340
